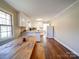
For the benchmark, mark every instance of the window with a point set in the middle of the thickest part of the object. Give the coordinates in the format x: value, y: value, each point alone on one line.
x: 5, y: 25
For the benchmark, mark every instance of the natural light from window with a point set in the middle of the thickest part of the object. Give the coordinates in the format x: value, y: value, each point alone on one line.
x: 5, y: 25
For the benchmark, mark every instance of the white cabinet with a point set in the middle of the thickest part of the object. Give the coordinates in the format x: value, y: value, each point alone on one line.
x: 37, y: 34
x: 23, y: 20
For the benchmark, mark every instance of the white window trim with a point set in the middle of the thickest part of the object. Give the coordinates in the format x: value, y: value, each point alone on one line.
x: 11, y: 17
x: 11, y: 23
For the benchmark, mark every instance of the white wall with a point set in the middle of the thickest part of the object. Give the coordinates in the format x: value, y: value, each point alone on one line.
x: 67, y: 28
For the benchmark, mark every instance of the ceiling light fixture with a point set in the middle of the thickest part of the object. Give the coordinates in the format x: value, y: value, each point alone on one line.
x: 40, y: 19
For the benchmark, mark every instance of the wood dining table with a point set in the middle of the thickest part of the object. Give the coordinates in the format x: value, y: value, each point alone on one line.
x: 17, y: 49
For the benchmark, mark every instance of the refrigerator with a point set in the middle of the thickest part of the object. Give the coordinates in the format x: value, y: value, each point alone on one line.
x: 50, y: 31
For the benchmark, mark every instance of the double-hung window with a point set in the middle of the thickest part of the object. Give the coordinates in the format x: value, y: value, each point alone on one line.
x: 5, y: 25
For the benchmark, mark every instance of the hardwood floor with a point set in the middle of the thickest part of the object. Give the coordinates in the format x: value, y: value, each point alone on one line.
x: 38, y: 52
x: 54, y: 50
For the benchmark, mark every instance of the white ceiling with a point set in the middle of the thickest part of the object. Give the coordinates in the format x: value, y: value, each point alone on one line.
x: 41, y: 8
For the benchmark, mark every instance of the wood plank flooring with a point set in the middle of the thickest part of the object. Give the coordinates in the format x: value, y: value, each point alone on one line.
x: 38, y: 52
x: 54, y: 50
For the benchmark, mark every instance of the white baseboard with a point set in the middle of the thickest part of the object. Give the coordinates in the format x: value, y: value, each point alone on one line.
x: 67, y: 47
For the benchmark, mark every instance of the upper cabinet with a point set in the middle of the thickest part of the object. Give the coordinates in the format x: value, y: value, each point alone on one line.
x: 23, y: 20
